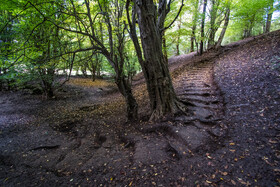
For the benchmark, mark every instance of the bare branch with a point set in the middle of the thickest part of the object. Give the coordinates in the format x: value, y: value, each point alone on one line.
x: 181, y: 7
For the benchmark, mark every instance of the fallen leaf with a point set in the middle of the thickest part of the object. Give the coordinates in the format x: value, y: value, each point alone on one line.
x: 224, y: 173
x: 208, y: 156
x: 272, y: 141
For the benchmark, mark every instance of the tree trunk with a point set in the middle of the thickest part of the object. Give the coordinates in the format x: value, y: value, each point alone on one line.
x: 159, y: 83
x: 131, y: 104
x: 84, y: 71
x: 194, y: 23
x: 213, y: 26
x: 193, y: 38
x: 93, y: 74
x: 179, y: 37
x: 269, y: 17
x: 202, y: 27
x: 249, y: 27
x: 164, y: 47
x: 47, y: 80
x: 219, y: 42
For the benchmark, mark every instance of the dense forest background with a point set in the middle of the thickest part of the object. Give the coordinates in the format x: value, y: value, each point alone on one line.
x: 43, y: 42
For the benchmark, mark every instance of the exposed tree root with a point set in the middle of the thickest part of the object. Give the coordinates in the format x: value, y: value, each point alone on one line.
x: 179, y: 106
x: 45, y: 147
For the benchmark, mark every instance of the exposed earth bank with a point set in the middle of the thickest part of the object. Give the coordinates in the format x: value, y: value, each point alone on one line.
x: 230, y: 136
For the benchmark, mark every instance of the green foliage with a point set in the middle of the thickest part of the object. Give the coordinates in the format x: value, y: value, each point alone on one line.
x: 33, y: 47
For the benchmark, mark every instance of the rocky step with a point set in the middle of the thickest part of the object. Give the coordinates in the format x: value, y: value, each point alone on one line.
x: 200, y: 89
x: 187, y: 139
x: 203, y: 99
x: 204, y: 105
x: 179, y: 142
x: 195, y: 81
x: 200, y: 112
x: 191, y: 119
x: 199, y: 93
x: 214, y: 129
x: 177, y: 149
x: 193, y: 85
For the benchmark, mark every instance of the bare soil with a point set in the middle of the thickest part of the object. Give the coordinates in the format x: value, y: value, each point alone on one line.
x: 230, y: 136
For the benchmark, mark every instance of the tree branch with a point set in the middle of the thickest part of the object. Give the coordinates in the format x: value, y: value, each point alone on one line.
x: 181, y: 7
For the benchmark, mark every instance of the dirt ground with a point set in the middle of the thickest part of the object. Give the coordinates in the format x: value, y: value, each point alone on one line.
x: 230, y: 136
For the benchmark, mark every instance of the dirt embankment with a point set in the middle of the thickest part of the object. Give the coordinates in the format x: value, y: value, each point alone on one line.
x: 230, y: 137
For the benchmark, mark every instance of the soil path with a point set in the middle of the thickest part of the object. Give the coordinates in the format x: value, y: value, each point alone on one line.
x: 183, y: 135
x: 68, y: 147
x: 80, y: 138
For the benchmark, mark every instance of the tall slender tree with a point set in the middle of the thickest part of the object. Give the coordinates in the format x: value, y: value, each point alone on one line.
x: 269, y: 16
x: 202, y: 27
x: 178, y: 41
x: 223, y: 32
x: 213, y: 24
x: 194, y: 23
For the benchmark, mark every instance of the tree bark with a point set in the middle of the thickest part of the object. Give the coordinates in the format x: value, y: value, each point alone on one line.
x: 269, y: 17
x: 194, y: 23
x: 131, y: 104
x: 164, y: 47
x: 84, y: 71
x: 161, y: 92
x: 114, y: 53
x: 179, y: 37
x: 202, y: 27
x: 213, y: 26
x: 219, y: 42
x: 249, y: 27
x: 93, y: 73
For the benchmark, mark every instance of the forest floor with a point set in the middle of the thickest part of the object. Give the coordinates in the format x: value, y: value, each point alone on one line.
x: 81, y: 138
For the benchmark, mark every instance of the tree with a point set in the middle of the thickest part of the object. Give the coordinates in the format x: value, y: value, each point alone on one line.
x: 249, y: 14
x: 221, y: 37
x: 178, y: 41
x: 194, y: 23
x: 87, y: 17
x: 35, y: 44
x: 6, y: 43
x: 220, y: 12
x: 151, y: 19
x: 80, y: 21
x: 213, y: 25
x: 202, y: 27
x: 115, y: 53
x: 269, y: 16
